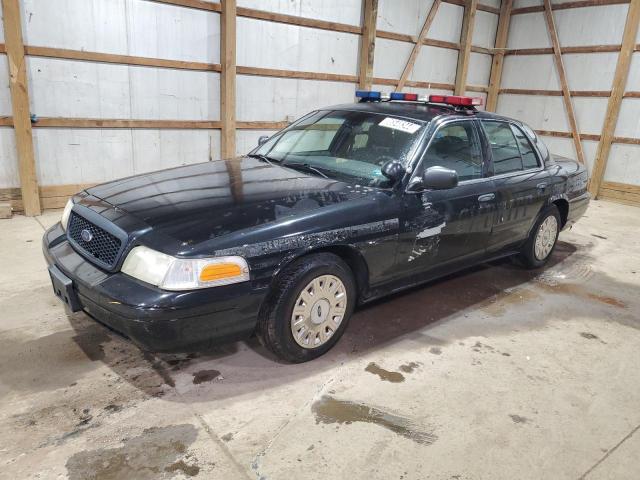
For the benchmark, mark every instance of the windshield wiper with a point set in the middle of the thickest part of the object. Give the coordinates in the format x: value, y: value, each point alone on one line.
x: 305, y: 166
x: 264, y: 158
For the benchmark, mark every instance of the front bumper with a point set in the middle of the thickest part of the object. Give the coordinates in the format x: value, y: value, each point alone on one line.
x: 155, y: 319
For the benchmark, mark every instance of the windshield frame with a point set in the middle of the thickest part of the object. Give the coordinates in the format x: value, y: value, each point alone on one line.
x: 408, y: 162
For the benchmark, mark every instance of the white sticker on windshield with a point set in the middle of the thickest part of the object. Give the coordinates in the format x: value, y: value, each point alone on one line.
x: 398, y: 124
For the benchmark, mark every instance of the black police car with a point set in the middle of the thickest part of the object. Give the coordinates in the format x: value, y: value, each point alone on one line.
x: 348, y: 204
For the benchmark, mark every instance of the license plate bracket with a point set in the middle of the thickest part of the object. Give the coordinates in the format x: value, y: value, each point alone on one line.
x: 63, y: 289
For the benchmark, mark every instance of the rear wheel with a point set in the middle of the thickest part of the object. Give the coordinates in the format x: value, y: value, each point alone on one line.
x: 543, y: 238
x: 309, y: 308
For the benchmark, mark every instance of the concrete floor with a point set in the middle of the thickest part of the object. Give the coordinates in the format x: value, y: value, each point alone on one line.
x: 497, y: 373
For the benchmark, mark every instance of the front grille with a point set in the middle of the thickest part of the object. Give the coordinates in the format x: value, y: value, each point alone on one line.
x: 102, y: 246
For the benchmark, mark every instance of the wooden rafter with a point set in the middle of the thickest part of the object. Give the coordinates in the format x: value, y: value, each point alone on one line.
x: 228, y: 78
x: 419, y: 42
x: 20, y: 104
x: 566, y: 94
x: 367, y: 43
x: 615, y: 100
x: 466, y: 36
x: 502, y: 34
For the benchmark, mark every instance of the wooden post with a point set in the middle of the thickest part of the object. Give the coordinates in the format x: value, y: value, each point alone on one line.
x: 20, y: 104
x: 566, y: 94
x: 418, y: 45
x: 502, y: 35
x: 367, y: 43
x: 228, y: 78
x: 466, y: 37
x: 615, y: 100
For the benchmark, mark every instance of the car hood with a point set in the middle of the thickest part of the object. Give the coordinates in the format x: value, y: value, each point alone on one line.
x: 200, y: 202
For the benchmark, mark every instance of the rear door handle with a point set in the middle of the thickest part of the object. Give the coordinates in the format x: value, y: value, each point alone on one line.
x: 486, y: 197
x: 541, y: 186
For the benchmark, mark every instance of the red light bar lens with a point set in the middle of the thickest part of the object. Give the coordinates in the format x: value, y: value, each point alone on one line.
x: 411, y: 96
x: 456, y: 100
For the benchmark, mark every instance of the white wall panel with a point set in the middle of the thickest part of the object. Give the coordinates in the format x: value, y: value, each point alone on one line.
x: 526, y: 3
x: 82, y: 155
x: 536, y: 72
x: 98, y: 155
x: 633, y: 81
x: 289, y: 47
x: 624, y: 164
x: 157, y: 149
x: 342, y: 11
x: 391, y: 57
x: 435, y: 64
x: 590, y: 112
x: 131, y: 27
x: 5, y: 91
x: 540, y: 113
x: 479, y: 69
x: 492, y: 3
x: 447, y: 23
x: 591, y: 25
x: 565, y: 147
x: 9, y: 176
x: 484, y: 31
x: 408, y: 16
x: 629, y: 119
x: 581, y: 70
x: 528, y: 30
x: 64, y: 88
x: 280, y: 99
x: 419, y: 91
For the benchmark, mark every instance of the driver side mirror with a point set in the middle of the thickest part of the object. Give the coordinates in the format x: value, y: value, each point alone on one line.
x: 262, y: 140
x: 439, y: 178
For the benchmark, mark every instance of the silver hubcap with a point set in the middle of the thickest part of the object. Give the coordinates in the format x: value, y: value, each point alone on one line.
x: 318, y: 311
x: 546, y: 237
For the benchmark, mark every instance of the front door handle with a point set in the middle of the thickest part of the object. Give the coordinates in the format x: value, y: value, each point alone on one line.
x: 486, y: 197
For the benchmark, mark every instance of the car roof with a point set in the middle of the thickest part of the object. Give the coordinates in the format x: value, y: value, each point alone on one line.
x: 420, y: 111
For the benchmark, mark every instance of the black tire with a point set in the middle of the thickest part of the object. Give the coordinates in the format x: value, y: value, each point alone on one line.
x: 274, y: 323
x: 528, y: 254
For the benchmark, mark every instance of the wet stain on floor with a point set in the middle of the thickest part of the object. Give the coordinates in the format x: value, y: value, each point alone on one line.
x: 329, y: 410
x: 519, y: 419
x: 385, y: 375
x: 152, y: 455
x: 435, y: 350
x: 409, y: 367
x: 205, y: 376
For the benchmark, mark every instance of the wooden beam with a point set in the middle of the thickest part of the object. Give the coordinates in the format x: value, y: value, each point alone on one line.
x: 566, y: 94
x: 564, y: 50
x: 118, y: 59
x: 569, y: 5
x: 556, y: 93
x: 299, y: 21
x: 620, y: 192
x: 113, y: 123
x: 20, y: 105
x: 615, y: 100
x: 465, y: 46
x: 367, y: 43
x: 416, y: 47
x: 275, y: 72
x: 197, y: 4
x: 502, y: 34
x: 228, y: 78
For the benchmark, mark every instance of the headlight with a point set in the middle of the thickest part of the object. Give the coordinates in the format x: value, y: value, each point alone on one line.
x: 171, y: 273
x: 64, y: 221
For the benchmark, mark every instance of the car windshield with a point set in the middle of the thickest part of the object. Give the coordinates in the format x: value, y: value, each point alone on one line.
x: 345, y: 145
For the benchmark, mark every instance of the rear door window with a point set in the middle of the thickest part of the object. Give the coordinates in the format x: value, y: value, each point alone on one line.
x: 529, y: 158
x: 504, y: 147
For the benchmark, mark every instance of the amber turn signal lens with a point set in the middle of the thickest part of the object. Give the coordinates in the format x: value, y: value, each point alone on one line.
x: 219, y: 271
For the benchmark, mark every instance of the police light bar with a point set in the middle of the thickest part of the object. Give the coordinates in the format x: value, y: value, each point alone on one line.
x: 409, y: 97
x: 456, y: 100
x: 366, y: 95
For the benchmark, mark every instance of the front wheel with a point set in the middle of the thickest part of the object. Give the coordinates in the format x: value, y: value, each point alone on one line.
x: 543, y: 238
x: 309, y: 308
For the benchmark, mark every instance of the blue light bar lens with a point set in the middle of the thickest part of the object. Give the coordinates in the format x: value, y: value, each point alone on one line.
x: 397, y: 96
x: 368, y: 94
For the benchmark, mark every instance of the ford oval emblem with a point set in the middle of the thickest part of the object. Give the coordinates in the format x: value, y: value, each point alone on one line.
x: 86, y: 235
